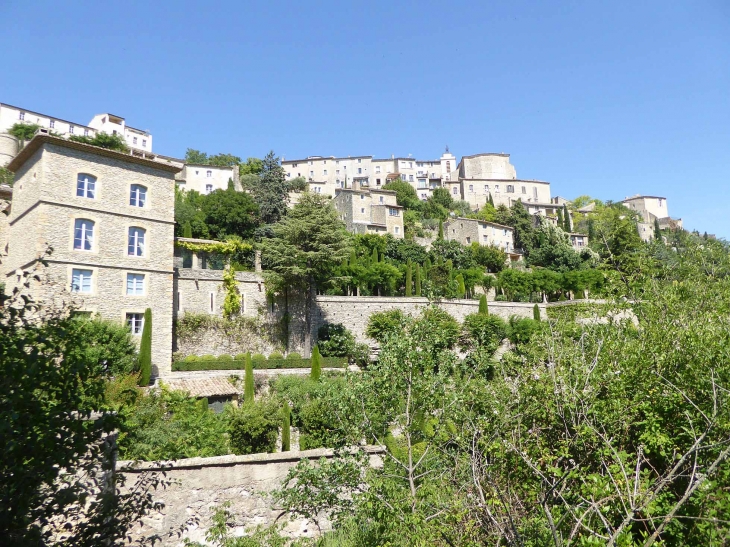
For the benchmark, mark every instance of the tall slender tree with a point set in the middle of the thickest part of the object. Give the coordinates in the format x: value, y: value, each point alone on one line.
x: 145, y: 350
x: 418, y: 280
x: 483, y: 305
x: 249, y: 390
x: 441, y: 230
x: 316, y: 371
x: 561, y: 224
x: 657, y: 230
x: 286, y: 428
x: 409, y: 280
x: 568, y: 225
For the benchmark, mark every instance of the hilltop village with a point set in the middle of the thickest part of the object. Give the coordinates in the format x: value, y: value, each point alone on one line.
x: 332, y: 350
x: 109, y: 216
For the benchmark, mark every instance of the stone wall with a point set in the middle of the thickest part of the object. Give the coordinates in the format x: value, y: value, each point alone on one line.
x: 202, y: 484
x: 354, y: 311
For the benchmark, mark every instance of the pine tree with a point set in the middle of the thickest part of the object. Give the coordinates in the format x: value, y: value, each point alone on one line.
x: 409, y: 281
x: 657, y: 230
x: 418, y: 280
x: 286, y: 429
x: 441, y: 230
x: 248, y: 383
x: 461, y: 290
x: 187, y: 230
x: 566, y: 219
x: 145, y: 350
x: 536, y: 312
x: 316, y: 364
x: 483, y: 306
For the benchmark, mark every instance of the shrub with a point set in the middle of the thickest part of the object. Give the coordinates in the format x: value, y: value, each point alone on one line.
x: 253, y: 428
x: 249, y: 389
x: 501, y: 298
x: 483, y: 305
x: 294, y: 355
x: 240, y: 364
x: 225, y: 357
x: 334, y: 340
x: 444, y: 328
x: 106, y: 343
x: 145, y: 350
x: 191, y: 359
x: 207, y: 357
x: 481, y: 331
x: 385, y: 323
x: 316, y: 364
x: 275, y: 355
x: 258, y: 357
x: 317, y: 427
x: 240, y: 356
x: 536, y: 312
x: 520, y: 331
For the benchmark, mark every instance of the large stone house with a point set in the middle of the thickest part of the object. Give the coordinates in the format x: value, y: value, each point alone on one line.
x: 469, y: 230
x: 370, y: 211
x: 650, y: 209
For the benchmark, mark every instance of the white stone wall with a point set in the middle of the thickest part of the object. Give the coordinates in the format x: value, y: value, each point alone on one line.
x: 487, y: 166
x: 205, y: 178
x: 10, y: 115
x: 193, y: 290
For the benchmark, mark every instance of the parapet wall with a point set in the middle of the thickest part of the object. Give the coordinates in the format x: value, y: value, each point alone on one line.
x: 355, y: 311
x: 200, y: 485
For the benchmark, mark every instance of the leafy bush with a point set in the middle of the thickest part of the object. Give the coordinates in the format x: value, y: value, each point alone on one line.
x: 258, y: 357
x: 441, y: 326
x: 239, y: 364
x: 520, y: 331
x: 225, y: 358
x: 318, y: 427
x: 383, y: 324
x: 207, y: 357
x: 191, y: 359
x: 334, y: 340
x: 275, y: 356
x: 294, y: 355
x: 106, y: 343
x: 483, y: 332
x: 240, y: 357
x: 253, y: 428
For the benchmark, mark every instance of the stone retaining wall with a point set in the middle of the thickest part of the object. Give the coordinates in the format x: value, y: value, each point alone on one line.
x: 200, y: 485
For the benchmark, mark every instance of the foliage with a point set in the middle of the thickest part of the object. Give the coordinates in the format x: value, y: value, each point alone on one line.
x: 197, y: 157
x: 232, y: 301
x: 229, y: 213
x: 103, y: 140
x: 334, y: 340
x: 144, y: 358
x: 253, y: 428
x: 384, y: 324
x: 6, y: 176
x: 553, y: 249
x: 297, y: 184
x: 405, y: 194
x: 490, y: 257
x: 286, y: 428
x: 239, y: 363
x: 169, y: 425
x: 482, y: 331
x: 316, y: 371
x: 409, y: 280
x: 521, y: 331
x: 459, y: 255
x: 249, y: 390
x: 536, y: 312
x: 271, y: 193
x: 252, y: 166
x: 23, y: 131
x: 107, y: 343
x: 483, y: 305
x: 228, y: 247
x: 418, y: 280
x: 518, y: 218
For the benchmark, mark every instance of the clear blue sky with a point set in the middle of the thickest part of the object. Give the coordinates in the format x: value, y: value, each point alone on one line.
x: 604, y: 98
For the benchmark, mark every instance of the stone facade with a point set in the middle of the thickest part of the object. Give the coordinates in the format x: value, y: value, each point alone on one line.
x: 370, y: 211
x: 200, y: 485
x: 468, y: 230
x: 46, y: 212
x: 650, y: 209
x: 207, y: 178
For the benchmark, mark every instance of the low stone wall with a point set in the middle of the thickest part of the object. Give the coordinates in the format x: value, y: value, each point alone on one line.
x: 200, y: 485
x: 355, y: 311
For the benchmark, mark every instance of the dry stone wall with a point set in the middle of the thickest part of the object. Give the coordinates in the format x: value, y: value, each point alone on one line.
x: 200, y: 485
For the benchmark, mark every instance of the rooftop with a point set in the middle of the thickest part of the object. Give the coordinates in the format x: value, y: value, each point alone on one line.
x: 204, y: 387
x: 480, y: 221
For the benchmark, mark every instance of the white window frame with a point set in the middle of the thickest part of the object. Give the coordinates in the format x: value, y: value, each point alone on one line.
x: 137, y: 195
x: 85, y: 284
x: 86, y: 186
x: 136, y: 241
x: 137, y: 286
x: 84, y: 234
x: 135, y: 322
x: 208, y: 174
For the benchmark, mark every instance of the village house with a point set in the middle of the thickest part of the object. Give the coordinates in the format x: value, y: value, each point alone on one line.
x: 369, y: 211
x: 469, y: 230
x: 207, y: 178
x: 651, y: 209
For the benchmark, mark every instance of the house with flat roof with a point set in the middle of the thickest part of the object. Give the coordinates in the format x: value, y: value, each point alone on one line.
x: 369, y: 211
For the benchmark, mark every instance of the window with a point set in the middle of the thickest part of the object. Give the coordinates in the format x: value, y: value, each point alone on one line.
x: 454, y: 191
x: 114, y: 132
x: 362, y: 210
x: 471, y: 187
x: 135, y: 242
x: 410, y: 164
x: 71, y: 129
x: 52, y: 124
x: 496, y: 188
x: 422, y: 183
x: 311, y: 173
x: 208, y: 188
x: 325, y: 172
x: 377, y: 169
x: 86, y: 132
x: 359, y: 170
x: 144, y: 142
x: 510, y: 189
x: 359, y: 160
x: 21, y: 115
x: 448, y: 167
x: 486, y: 188
x: 393, y: 212
x: 524, y: 189
x: 362, y: 196
x: 135, y: 284
x: 209, y: 173
x: 81, y: 281
x: 377, y: 181
x: 534, y: 193
x: 135, y: 322
x: 337, y: 172
x: 137, y: 195
x: 310, y: 162
x: 179, y: 301
x: 85, y: 186
x: 410, y: 178
x: 324, y: 162
x: 484, y: 237
x: 397, y: 229
x: 134, y: 140
x: 468, y: 240
x: 381, y: 199
x: 293, y: 164
x: 83, y: 235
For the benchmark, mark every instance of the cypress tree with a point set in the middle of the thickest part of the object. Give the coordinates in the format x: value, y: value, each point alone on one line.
x: 286, y: 429
x: 536, y: 312
x: 426, y: 266
x: 591, y: 231
x: 248, y: 384
x: 561, y: 224
x: 353, y: 258
x: 187, y: 230
x: 382, y: 257
x: 230, y: 185
x: 491, y: 199
x: 145, y: 350
x: 461, y: 290
x: 316, y: 364
x: 483, y: 306
x: 441, y: 230
x: 418, y: 280
x: 657, y: 230
x: 566, y: 219
x: 374, y: 257
x: 409, y: 280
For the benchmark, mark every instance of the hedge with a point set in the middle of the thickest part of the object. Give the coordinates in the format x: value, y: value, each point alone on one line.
x: 236, y: 364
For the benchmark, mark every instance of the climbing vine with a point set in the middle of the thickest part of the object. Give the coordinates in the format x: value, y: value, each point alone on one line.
x: 232, y: 302
x: 222, y: 247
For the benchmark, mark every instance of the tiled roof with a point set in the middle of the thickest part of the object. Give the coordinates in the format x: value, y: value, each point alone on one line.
x: 203, y: 387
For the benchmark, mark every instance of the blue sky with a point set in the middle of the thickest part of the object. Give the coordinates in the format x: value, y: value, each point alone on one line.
x: 605, y: 98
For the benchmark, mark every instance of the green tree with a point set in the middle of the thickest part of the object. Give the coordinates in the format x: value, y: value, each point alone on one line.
x: 316, y: 371
x: 6, y: 176
x: 145, y: 350
x: 229, y: 213
x: 567, y: 224
x: 23, y: 131
x: 286, y: 428
x: 272, y: 191
x: 490, y: 257
x: 418, y: 280
x: 561, y: 224
x: 536, y: 312
x: 253, y: 428
x: 461, y: 290
x: 657, y: 230
x: 187, y: 230
x: 441, y: 231
x: 553, y: 249
x: 442, y: 197
x: 103, y: 140
x: 108, y: 343
x: 249, y: 390
x: 483, y: 305
x: 405, y: 194
x: 308, y: 247
x: 232, y: 301
x: 224, y: 160
x: 252, y: 166
x: 409, y: 281
x: 196, y: 157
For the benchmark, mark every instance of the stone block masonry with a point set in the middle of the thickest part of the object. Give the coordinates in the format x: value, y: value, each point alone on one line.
x: 200, y: 485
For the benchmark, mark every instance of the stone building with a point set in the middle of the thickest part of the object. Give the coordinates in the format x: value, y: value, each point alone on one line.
x: 207, y: 178
x: 109, y: 219
x: 370, y: 211
x: 578, y: 241
x: 651, y: 208
x: 108, y: 123
x: 469, y: 230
